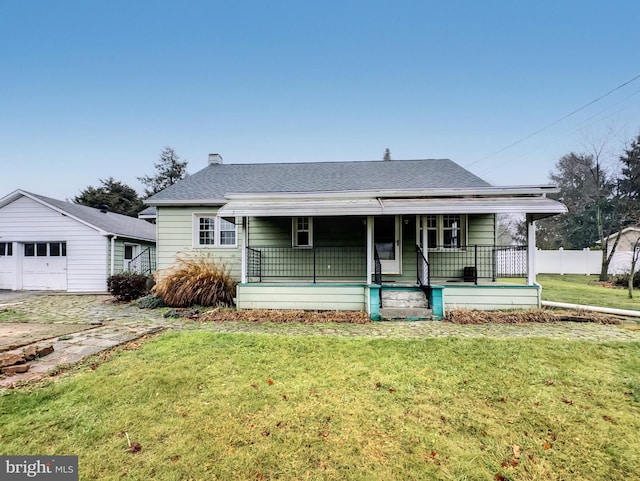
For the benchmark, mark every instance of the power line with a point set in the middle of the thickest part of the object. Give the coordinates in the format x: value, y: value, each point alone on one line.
x: 555, y: 122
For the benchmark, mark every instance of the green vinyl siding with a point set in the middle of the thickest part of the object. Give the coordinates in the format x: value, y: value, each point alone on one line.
x: 490, y: 297
x: 333, y: 297
x: 482, y: 229
x: 175, y: 239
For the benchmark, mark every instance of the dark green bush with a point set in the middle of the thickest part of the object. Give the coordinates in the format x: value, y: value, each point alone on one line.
x: 150, y: 302
x: 128, y: 286
x: 622, y: 280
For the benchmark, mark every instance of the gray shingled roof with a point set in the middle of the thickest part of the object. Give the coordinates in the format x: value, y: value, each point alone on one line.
x: 217, y: 180
x: 121, y: 225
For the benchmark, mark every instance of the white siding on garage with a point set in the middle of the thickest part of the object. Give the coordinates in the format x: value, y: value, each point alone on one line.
x: 27, y: 221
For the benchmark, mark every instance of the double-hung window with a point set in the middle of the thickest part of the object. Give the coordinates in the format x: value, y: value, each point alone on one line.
x: 213, y: 231
x: 447, y: 231
x: 302, y: 232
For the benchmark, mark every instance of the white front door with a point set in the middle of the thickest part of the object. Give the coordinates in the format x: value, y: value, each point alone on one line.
x: 386, y: 239
x: 131, y: 251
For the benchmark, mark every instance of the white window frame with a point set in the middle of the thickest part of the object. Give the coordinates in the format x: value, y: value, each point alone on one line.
x: 295, y: 230
x: 217, y: 229
x: 464, y: 221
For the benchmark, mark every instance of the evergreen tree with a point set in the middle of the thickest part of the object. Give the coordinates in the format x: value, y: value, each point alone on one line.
x: 116, y: 196
x: 387, y: 154
x: 629, y: 182
x: 169, y: 171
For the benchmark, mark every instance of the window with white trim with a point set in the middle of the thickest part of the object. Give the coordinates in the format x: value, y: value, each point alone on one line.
x: 6, y: 249
x: 446, y: 231
x: 302, y: 232
x: 213, y: 231
x: 227, y: 233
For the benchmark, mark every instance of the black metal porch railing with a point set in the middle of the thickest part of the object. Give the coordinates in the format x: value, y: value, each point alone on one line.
x: 377, y: 267
x: 314, y: 263
x: 143, y: 263
x: 474, y: 262
x: 422, y: 268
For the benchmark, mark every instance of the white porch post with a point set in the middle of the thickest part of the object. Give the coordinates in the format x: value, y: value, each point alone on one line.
x: 245, y: 244
x: 369, y: 248
x: 531, y: 250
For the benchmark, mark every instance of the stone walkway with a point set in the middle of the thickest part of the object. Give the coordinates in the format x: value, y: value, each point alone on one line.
x: 95, y: 323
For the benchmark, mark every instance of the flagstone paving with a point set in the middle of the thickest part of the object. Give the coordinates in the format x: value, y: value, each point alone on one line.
x: 93, y: 323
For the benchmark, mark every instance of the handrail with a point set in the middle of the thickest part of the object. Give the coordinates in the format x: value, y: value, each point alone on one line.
x: 422, y: 268
x: 143, y: 263
x: 377, y: 267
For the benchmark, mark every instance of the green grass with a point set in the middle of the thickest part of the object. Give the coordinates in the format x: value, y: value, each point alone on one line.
x: 585, y: 290
x: 242, y: 407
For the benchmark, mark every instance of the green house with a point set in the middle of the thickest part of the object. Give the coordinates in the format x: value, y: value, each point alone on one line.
x: 397, y: 239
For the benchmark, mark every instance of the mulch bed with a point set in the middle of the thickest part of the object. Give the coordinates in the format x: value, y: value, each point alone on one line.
x: 465, y: 316
x: 267, y: 315
x: 454, y: 316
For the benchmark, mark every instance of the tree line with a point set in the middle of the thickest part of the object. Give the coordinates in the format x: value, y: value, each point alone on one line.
x: 123, y: 199
x: 602, y: 198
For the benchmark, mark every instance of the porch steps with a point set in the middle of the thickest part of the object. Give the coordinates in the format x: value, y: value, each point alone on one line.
x: 409, y: 304
x: 408, y: 298
x: 406, y: 314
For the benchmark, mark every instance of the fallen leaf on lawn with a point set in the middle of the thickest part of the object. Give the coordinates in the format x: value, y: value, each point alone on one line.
x: 610, y: 419
x: 516, y: 451
x: 567, y: 400
x: 392, y: 389
x: 547, y: 446
x: 270, y: 382
x: 175, y: 458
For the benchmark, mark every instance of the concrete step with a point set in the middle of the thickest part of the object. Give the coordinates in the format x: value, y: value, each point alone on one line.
x: 404, y: 298
x: 406, y: 314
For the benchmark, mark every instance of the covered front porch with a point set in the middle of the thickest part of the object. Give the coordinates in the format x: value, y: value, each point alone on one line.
x: 358, y: 263
x: 343, y: 251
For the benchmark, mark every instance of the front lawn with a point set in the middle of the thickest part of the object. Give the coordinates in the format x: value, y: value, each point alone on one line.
x: 585, y: 290
x: 210, y: 406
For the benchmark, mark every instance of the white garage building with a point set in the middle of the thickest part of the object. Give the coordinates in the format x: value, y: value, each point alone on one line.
x: 48, y: 244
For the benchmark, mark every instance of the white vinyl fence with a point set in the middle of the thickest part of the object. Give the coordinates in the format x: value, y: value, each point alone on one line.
x: 585, y: 262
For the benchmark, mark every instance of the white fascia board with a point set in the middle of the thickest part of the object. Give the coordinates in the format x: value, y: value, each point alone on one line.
x: 363, y: 194
x: 354, y: 207
x: 190, y: 202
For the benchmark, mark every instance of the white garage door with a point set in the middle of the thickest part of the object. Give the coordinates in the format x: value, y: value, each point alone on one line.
x: 44, y: 266
x: 7, y: 266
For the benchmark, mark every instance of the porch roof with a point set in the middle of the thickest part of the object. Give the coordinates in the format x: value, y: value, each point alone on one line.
x: 537, y: 206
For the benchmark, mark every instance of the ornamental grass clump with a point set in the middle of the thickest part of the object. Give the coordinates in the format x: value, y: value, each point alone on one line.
x: 196, y: 281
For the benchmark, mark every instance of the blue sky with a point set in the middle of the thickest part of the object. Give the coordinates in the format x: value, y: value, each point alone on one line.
x: 95, y: 89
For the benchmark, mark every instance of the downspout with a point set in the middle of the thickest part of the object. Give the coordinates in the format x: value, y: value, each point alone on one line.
x: 531, y: 251
x: 113, y: 253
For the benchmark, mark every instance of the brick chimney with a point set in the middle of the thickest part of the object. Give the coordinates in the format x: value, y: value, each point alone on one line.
x: 215, y: 159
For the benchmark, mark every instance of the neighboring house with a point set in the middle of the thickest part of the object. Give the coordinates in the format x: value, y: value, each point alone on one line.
x: 48, y: 244
x: 621, y: 260
x: 353, y: 235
